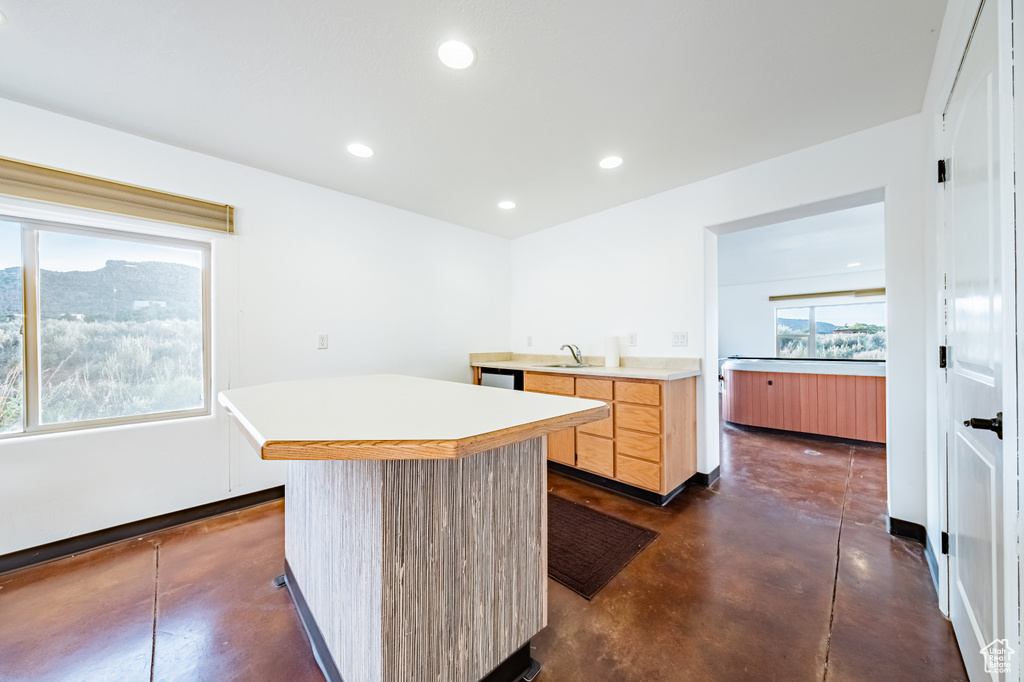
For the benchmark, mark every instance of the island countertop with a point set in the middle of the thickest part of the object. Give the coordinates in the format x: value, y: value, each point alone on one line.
x: 388, y: 416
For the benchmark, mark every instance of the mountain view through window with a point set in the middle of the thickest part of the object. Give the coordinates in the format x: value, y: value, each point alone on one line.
x: 120, y: 329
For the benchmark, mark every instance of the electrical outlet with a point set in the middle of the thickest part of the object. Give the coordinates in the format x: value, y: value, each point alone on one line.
x: 631, y: 339
x: 321, y: 342
x: 680, y: 338
x: 529, y: 342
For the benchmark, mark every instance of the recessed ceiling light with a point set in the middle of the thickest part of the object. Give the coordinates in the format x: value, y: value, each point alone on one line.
x: 852, y: 265
x: 610, y: 162
x: 360, y: 150
x: 507, y: 205
x: 456, y: 55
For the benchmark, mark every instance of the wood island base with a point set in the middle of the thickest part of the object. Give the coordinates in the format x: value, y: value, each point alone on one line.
x: 518, y: 666
x: 420, y: 569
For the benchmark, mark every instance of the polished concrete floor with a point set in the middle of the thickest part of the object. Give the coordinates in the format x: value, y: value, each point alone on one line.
x: 782, y: 570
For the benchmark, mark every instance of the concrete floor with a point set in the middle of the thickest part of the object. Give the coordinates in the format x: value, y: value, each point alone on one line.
x: 782, y: 570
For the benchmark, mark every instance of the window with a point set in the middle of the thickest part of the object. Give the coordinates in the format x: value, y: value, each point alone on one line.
x: 849, y: 332
x: 100, y: 327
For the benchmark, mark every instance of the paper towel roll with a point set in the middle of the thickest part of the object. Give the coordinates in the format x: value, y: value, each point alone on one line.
x: 611, y: 351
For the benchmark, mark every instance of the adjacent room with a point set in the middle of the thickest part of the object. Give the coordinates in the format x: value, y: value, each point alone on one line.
x: 483, y: 342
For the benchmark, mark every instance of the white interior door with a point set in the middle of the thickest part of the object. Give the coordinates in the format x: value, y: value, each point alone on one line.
x: 982, y: 466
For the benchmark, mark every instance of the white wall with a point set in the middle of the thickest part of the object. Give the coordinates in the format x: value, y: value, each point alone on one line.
x: 746, y: 318
x: 395, y: 291
x: 641, y: 267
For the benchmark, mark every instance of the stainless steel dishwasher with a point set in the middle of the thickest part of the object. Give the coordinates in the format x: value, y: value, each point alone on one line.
x: 502, y: 378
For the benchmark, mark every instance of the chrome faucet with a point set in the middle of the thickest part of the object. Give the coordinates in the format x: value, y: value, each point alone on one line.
x: 576, y: 354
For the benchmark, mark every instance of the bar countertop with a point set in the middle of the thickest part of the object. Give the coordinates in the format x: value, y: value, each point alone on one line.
x: 807, y: 366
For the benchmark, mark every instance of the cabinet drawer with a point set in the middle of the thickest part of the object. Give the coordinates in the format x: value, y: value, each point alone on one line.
x: 633, y: 392
x: 638, y: 417
x: 603, y: 428
x: 549, y: 383
x: 638, y: 472
x: 598, y: 389
x: 640, y: 445
x: 595, y: 454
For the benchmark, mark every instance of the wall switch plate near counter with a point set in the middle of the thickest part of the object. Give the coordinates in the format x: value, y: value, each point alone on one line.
x: 679, y: 338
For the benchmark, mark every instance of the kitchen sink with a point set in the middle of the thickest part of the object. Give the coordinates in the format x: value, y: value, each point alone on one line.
x: 566, y: 364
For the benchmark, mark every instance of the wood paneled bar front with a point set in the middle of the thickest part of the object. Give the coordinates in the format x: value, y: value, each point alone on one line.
x: 415, y: 520
x: 829, y: 398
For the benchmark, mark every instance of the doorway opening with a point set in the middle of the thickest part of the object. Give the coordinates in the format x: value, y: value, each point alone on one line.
x: 800, y: 320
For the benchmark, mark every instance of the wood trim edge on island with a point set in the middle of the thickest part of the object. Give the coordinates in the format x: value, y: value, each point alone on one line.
x: 425, y: 449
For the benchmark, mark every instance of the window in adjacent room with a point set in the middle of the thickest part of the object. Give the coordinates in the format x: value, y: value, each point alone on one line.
x: 853, y: 331
x: 100, y: 327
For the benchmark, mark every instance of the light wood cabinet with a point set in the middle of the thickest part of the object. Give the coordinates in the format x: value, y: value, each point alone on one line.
x: 650, y: 439
x: 562, y: 447
x: 595, y: 454
x: 645, y: 418
x: 561, y: 444
x: 825, y: 404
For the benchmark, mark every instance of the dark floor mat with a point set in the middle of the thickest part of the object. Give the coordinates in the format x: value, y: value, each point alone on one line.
x: 587, y: 548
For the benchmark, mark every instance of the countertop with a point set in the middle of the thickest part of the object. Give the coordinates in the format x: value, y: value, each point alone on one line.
x: 389, y: 416
x: 854, y: 368
x: 642, y: 368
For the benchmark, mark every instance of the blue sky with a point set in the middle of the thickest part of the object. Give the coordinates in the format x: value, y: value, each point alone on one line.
x: 868, y: 313
x: 65, y: 252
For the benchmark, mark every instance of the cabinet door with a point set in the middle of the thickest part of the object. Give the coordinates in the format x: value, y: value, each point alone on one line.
x: 595, y: 454
x: 561, y: 444
x: 604, y: 427
x: 562, y: 447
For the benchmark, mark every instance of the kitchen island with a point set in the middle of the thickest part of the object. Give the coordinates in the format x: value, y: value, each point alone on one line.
x: 415, y: 520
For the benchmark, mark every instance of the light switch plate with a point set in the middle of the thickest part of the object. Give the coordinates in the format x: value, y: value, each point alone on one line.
x: 680, y: 338
x: 529, y: 342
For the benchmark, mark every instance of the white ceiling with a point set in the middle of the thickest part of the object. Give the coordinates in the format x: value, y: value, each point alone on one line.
x: 809, y: 247
x: 681, y: 89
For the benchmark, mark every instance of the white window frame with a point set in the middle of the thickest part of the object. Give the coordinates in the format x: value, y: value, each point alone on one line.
x: 31, y: 406
x: 810, y: 336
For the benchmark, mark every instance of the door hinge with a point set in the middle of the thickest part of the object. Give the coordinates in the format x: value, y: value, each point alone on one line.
x: 945, y: 543
x: 942, y: 357
x: 942, y: 170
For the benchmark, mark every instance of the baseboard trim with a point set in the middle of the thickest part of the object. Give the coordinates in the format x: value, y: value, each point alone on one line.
x: 83, y: 543
x: 706, y: 480
x: 617, y: 486
x: 907, y: 529
x: 316, y: 638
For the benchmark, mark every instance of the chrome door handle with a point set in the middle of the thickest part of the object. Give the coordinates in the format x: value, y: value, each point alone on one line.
x: 994, y: 424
